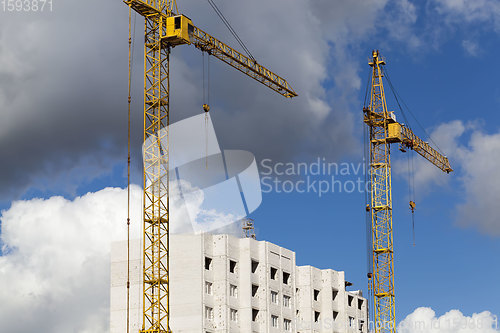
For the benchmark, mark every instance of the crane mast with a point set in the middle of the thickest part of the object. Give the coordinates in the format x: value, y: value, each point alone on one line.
x: 384, y: 130
x: 165, y: 29
x: 382, y: 285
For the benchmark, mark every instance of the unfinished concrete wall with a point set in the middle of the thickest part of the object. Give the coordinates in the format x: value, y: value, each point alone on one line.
x: 325, y: 306
x: 222, y: 284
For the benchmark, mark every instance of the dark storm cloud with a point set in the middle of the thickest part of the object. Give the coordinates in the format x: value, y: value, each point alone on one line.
x: 62, y: 91
x: 63, y: 86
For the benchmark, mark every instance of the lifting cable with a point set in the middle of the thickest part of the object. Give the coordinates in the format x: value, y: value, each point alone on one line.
x: 411, y: 192
x: 396, y: 95
x: 368, y: 217
x: 411, y: 172
x: 129, y: 100
x: 366, y: 89
x: 206, y: 91
x: 131, y: 44
x: 366, y: 157
x: 206, y: 80
x: 233, y: 32
x: 203, y: 78
x: 413, y: 197
x: 206, y: 101
x: 368, y: 221
x: 366, y: 161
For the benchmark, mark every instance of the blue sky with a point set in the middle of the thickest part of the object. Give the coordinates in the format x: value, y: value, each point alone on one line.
x: 442, y: 59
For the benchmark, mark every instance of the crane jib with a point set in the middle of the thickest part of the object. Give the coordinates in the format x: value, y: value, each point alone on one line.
x: 179, y: 29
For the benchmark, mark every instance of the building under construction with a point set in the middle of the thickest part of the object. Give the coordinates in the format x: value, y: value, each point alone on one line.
x: 221, y: 283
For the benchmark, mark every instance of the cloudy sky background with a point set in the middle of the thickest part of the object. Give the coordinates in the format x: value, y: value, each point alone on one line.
x: 63, y: 86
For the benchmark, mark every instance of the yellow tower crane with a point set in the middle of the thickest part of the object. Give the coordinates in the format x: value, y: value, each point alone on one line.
x: 384, y: 130
x: 165, y: 29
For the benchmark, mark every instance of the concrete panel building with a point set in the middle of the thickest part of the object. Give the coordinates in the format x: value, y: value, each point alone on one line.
x: 220, y: 283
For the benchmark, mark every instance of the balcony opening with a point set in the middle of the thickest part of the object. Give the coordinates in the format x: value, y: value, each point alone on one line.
x: 233, y: 315
x: 274, y: 273
x: 233, y: 291
x: 255, y: 265
x: 274, y: 297
x: 361, y: 325
x: 208, y: 263
x: 232, y: 266
x: 274, y: 320
x: 316, y: 294
x: 255, y: 288
x: 334, y: 294
x: 255, y: 314
x: 208, y: 288
x: 286, y: 278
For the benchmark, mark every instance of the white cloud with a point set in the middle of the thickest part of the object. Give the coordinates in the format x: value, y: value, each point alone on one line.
x: 479, y: 162
x: 54, y: 271
x: 55, y: 263
x: 471, y: 11
x: 475, y: 165
x: 401, y: 25
x: 425, y: 320
x: 471, y: 47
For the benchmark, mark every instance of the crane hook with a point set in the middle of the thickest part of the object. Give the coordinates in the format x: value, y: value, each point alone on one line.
x: 412, y: 206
